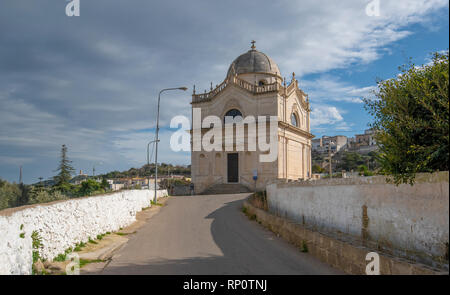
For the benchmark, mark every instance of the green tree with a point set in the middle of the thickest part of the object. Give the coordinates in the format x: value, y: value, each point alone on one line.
x: 9, y: 194
x: 65, y: 169
x: 350, y: 161
x: 90, y: 187
x: 23, y: 198
x: 411, y: 114
x: 317, y: 169
x: 105, y: 184
x: 43, y: 196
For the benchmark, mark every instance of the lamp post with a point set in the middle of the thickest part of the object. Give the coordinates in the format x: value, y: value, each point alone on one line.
x: 329, y: 158
x: 157, y: 133
x: 93, y: 168
x: 148, y: 160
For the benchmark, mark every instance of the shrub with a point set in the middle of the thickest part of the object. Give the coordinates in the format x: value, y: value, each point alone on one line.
x: 411, y: 115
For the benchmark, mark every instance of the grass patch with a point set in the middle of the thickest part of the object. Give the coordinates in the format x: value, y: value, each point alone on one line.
x: 83, y: 262
x: 92, y: 241
x: 60, y: 257
x: 99, y: 237
x: 304, y: 247
x: 22, y: 235
x: 124, y: 234
x: 250, y: 216
x: 36, y: 243
x: 79, y: 246
x: 155, y: 203
x: 259, y: 200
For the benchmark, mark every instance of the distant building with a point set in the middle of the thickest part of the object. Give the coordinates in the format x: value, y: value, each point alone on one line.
x: 115, y: 185
x: 325, y: 143
x: 364, y: 143
x: 365, y: 139
x: 81, y: 177
x: 361, y: 143
x: 132, y: 182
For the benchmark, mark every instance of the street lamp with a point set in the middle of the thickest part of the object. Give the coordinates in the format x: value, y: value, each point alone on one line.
x: 329, y: 158
x: 93, y: 168
x: 148, y: 160
x: 157, y: 133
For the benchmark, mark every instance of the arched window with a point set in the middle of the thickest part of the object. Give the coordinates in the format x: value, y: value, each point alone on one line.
x: 232, y: 113
x: 294, y: 120
x: 262, y: 83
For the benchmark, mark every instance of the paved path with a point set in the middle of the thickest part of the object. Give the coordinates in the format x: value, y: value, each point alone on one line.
x: 209, y: 235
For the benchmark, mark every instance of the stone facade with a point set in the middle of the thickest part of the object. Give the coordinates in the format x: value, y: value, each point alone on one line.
x: 254, y: 87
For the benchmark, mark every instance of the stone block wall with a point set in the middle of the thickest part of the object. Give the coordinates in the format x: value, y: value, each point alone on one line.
x: 62, y: 224
x: 405, y: 221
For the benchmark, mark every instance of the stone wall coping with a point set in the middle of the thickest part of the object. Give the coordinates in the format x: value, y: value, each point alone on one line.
x: 436, y: 177
x: 11, y: 211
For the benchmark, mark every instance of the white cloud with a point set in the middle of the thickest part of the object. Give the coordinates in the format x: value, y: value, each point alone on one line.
x: 92, y: 84
x: 335, y: 34
x: 327, y: 89
x: 324, y: 115
x: 328, y: 120
x: 133, y: 146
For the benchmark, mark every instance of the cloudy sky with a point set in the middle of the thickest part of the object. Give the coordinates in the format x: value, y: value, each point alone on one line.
x: 91, y: 82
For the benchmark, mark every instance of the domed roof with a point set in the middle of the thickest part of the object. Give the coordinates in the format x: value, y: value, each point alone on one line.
x: 253, y: 61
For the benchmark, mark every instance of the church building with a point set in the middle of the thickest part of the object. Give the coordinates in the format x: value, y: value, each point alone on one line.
x: 254, y: 86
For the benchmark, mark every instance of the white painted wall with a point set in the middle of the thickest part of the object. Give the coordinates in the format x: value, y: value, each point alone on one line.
x: 63, y: 224
x: 412, y: 221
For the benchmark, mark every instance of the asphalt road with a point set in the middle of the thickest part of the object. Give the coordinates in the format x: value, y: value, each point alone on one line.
x: 201, y: 235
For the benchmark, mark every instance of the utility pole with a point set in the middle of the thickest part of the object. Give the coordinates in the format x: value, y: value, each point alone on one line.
x: 329, y: 161
x: 168, y: 180
x: 93, y: 168
x: 20, y: 177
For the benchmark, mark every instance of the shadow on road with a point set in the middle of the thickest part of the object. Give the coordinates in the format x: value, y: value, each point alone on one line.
x: 247, y: 249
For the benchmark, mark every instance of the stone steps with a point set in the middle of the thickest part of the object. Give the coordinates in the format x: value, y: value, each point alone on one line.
x: 226, y: 188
